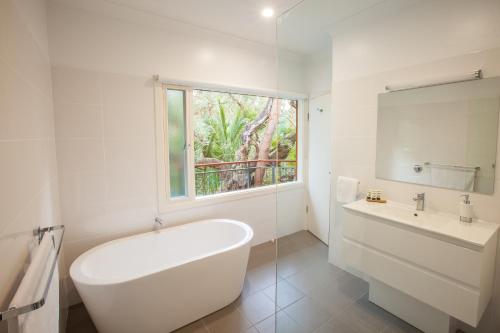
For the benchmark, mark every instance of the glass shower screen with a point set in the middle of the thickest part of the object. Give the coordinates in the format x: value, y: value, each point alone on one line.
x: 305, y: 279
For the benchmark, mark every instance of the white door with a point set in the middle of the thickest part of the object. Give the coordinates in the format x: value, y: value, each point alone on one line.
x: 319, y: 167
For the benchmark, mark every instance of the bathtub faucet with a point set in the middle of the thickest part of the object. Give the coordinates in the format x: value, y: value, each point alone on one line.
x: 158, y: 224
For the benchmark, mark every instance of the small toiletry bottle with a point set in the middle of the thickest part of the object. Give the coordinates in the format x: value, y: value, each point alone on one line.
x: 379, y: 195
x: 466, y: 209
x: 369, y: 194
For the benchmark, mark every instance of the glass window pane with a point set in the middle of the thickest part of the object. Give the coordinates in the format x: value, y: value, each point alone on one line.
x: 243, y: 141
x: 285, y: 141
x: 176, y: 105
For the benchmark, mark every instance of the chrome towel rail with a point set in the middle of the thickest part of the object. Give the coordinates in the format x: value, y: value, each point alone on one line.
x: 12, y: 314
x: 476, y: 75
x: 448, y: 166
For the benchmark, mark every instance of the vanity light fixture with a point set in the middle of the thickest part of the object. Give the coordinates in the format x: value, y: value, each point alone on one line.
x: 476, y: 75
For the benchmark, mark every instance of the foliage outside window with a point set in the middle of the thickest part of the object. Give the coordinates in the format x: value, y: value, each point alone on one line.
x: 243, y: 141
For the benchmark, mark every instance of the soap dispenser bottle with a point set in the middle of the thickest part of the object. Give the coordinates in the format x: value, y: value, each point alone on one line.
x: 466, y: 209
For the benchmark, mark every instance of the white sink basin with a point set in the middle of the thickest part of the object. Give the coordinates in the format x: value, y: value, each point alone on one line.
x: 476, y: 233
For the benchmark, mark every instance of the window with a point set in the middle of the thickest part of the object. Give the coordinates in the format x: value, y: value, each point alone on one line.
x: 213, y: 142
x: 177, y: 143
x: 242, y: 141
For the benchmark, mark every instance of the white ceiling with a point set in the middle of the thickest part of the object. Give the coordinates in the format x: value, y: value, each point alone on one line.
x: 307, y: 27
x: 240, y: 18
x: 303, y: 29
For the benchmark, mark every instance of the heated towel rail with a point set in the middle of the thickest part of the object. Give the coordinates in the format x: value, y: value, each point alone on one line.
x: 41, y: 263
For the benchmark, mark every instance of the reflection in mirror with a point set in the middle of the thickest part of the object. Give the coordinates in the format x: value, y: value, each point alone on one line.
x: 442, y: 136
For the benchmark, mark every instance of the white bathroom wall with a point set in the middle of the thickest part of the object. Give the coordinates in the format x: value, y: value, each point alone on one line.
x: 411, y: 45
x: 101, y: 36
x: 103, y: 60
x: 318, y: 72
x: 29, y: 187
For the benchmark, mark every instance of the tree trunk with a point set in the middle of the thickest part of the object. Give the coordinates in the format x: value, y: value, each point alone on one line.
x: 265, y: 143
x: 250, y: 129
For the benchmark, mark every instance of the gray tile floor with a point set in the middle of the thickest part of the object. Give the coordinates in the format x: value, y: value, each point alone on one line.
x: 313, y: 296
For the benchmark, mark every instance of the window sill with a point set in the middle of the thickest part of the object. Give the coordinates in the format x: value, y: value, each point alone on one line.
x: 220, y: 198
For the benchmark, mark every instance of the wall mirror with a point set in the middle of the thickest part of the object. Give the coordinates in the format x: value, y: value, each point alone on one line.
x: 441, y: 136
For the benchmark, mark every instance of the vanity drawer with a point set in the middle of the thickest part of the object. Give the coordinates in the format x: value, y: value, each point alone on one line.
x: 455, y: 299
x: 423, y: 250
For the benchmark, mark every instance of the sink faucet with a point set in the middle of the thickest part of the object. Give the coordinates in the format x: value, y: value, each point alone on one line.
x: 420, y: 199
x: 158, y: 224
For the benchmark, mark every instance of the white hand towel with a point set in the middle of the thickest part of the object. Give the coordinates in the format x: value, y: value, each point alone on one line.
x: 45, y: 319
x: 32, y: 287
x: 347, y: 189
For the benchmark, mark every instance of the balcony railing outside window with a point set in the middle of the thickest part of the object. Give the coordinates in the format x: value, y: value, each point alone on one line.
x: 214, y: 178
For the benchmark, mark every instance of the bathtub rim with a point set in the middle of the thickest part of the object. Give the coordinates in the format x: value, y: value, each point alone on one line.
x: 79, y: 277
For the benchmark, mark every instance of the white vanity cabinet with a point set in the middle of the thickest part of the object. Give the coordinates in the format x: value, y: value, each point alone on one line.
x: 423, y: 267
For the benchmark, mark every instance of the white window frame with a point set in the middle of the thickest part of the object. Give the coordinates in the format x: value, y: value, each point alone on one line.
x: 165, y: 202
x: 162, y: 145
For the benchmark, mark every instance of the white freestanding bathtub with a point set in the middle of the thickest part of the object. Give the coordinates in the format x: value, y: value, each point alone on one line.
x: 160, y: 281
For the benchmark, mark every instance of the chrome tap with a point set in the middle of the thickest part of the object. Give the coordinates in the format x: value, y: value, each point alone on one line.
x: 158, y: 224
x: 420, y: 199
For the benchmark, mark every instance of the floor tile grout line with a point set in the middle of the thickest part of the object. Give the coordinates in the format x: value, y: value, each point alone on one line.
x: 273, y: 314
x: 360, y: 322
x: 299, y: 324
x: 269, y: 297
x: 255, y: 291
x: 280, y: 310
x: 330, y: 314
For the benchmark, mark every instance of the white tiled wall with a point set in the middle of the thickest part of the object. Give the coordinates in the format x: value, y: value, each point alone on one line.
x: 318, y: 73
x: 28, y: 170
x: 105, y: 145
x: 410, y: 46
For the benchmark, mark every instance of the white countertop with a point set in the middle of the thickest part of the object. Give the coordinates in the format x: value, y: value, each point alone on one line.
x: 445, y: 225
